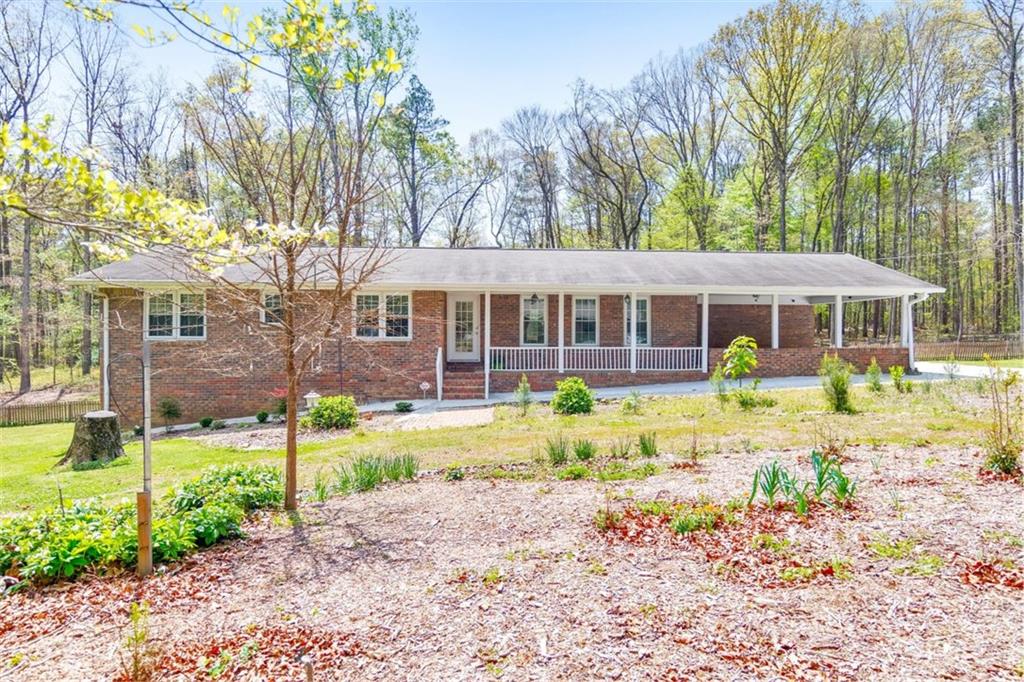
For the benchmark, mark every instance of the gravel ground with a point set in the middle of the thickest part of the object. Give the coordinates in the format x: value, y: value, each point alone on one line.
x: 476, y: 579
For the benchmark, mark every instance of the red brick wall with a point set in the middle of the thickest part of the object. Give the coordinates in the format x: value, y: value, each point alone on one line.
x: 726, y: 322
x: 233, y: 372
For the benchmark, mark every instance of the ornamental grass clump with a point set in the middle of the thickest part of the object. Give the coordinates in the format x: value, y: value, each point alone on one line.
x: 572, y: 397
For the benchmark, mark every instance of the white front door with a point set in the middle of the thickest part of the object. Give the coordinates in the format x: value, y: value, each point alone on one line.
x: 463, y: 328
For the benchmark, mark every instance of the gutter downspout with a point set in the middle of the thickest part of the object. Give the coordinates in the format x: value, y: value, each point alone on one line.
x: 105, y: 351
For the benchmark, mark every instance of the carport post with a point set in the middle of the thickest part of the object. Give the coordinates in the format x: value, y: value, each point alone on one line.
x: 561, y: 332
x: 632, y: 331
x: 837, y: 314
x: 487, y: 344
x: 704, y: 333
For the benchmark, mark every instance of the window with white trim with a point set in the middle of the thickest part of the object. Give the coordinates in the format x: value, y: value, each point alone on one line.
x: 534, y: 320
x: 643, y: 321
x: 175, y: 315
x: 272, y: 311
x: 383, y: 316
x: 584, y: 321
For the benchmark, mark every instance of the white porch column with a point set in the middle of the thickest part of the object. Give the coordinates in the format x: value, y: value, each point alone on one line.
x: 904, y: 314
x: 487, y: 344
x: 775, y: 320
x: 561, y: 332
x: 837, y: 320
x: 704, y: 308
x: 907, y: 336
x: 632, y: 331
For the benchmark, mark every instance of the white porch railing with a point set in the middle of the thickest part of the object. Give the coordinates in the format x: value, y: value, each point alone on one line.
x: 594, y: 359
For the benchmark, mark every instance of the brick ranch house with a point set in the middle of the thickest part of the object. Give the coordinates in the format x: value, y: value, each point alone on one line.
x: 466, y: 323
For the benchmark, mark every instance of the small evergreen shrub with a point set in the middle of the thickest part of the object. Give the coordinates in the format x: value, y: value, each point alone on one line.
x: 873, y: 376
x: 334, y: 412
x: 631, y: 404
x: 572, y: 397
x: 169, y: 409
x: 205, y: 422
x: 403, y: 406
x: 218, y: 425
x: 262, y: 417
x: 454, y: 474
x: 523, y: 396
x: 835, y: 376
x: 898, y: 382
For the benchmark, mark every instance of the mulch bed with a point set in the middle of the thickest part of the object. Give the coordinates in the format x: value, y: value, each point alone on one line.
x: 483, y: 578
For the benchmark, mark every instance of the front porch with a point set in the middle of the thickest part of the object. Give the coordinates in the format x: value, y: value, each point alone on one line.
x: 637, y: 337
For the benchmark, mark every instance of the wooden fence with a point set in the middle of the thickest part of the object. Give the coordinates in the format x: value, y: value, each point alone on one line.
x: 997, y: 349
x: 45, y: 413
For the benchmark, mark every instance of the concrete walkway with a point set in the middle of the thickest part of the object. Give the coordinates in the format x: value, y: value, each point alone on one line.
x: 611, y: 393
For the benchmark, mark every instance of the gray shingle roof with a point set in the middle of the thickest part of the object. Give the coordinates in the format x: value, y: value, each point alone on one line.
x: 566, y: 269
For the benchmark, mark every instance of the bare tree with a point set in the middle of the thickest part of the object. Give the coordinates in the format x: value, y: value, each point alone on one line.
x: 534, y: 132
x: 28, y: 47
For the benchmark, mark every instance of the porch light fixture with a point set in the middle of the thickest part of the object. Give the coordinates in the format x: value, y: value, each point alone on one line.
x: 757, y: 297
x: 626, y: 299
x: 311, y: 398
x: 534, y: 298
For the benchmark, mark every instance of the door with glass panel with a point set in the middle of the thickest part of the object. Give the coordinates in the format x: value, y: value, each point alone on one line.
x: 464, y: 327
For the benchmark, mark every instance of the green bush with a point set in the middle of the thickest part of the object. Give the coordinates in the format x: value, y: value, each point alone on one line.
x: 334, y: 412
x: 748, y: 398
x: 898, y: 382
x: 262, y: 416
x: 219, y: 424
x: 572, y: 397
x: 632, y: 403
x: 573, y: 472
x: 53, y: 544
x: 835, y: 376
x: 403, y: 406
x: 454, y: 474
x: 169, y: 409
x: 205, y: 422
x: 873, y: 376
x: 740, y: 358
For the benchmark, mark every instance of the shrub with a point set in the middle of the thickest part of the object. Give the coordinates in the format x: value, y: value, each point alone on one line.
x: 584, y: 449
x: 138, y: 430
x: 250, y: 487
x: 648, y: 445
x: 214, y: 522
x: 262, y: 417
x: 403, y: 406
x: 835, y: 379
x: 631, y: 403
x: 717, y: 381
x: 1005, y: 439
x: 740, y: 358
x: 873, y: 376
x: 896, y: 374
x: 454, y: 474
x: 557, y: 449
x: 572, y: 397
x: 169, y: 409
x: 219, y: 424
x: 205, y: 422
x: 523, y: 396
x: 334, y: 412
x: 573, y: 472
x: 749, y: 399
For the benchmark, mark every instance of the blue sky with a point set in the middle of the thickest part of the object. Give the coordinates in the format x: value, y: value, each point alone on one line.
x: 483, y: 60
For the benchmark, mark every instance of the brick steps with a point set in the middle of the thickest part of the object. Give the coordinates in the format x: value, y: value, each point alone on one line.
x: 463, y: 381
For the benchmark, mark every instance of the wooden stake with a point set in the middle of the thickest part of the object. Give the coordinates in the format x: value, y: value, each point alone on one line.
x: 144, y: 501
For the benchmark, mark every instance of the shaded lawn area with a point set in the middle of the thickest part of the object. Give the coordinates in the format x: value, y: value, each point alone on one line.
x: 947, y: 414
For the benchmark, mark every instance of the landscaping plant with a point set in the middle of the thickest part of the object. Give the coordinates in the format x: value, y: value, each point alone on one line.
x: 523, y: 396
x: 898, y: 382
x: 403, y: 406
x: 835, y: 376
x: 572, y: 397
x: 717, y: 380
x: 631, y: 403
x: 557, y: 449
x: 205, y: 422
x: 740, y: 358
x: 648, y: 445
x: 262, y: 416
x: 951, y: 367
x: 584, y: 449
x: 1005, y: 439
x: 873, y: 376
x: 169, y: 409
x: 333, y: 412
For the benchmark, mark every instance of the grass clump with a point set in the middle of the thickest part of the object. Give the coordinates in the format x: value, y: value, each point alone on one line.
x: 648, y: 444
x: 573, y: 472
x: 621, y: 448
x: 835, y: 376
x: 371, y: 471
x: 617, y: 471
x: 584, y: 450
x: 572, y: 397
x: 557, y: 449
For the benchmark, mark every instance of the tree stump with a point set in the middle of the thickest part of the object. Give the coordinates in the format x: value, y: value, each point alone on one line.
x: 97, y: 439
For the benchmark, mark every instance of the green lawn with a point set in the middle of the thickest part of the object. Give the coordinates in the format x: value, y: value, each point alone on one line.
x: 1013, y: 362
x: 28, y: 454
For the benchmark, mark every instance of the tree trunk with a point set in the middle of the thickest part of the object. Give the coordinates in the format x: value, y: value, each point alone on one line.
x: 97, y: 439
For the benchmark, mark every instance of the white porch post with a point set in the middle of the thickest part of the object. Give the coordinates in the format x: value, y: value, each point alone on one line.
x: 908, y: 332
x: 837, y: 315
x: 561, y: 332
x: 487, y: 344
x: 704, y: 333
x: 775, y: 320
x: 632, y: 332
x: 904, y: 314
